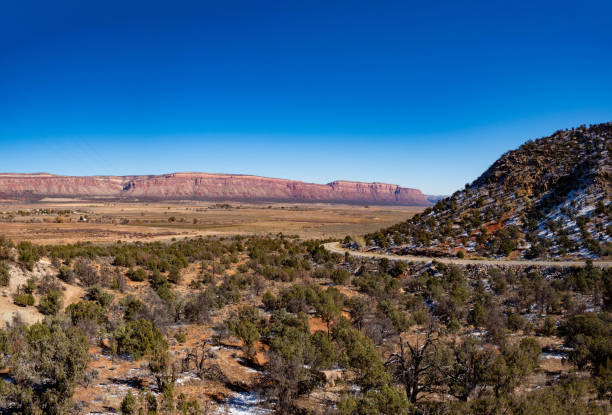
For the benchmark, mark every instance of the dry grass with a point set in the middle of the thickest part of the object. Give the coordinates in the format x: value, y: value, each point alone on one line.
x: 109, y: 222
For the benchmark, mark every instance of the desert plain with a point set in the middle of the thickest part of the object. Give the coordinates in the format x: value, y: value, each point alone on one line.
x: 60, y: 221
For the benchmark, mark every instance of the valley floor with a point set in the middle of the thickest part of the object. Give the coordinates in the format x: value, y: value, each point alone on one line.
x: 56, y: 222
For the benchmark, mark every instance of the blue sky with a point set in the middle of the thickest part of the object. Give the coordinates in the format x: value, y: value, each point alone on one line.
x: 422, y: 94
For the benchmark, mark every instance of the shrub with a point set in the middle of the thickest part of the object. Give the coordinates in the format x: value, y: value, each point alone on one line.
x: 165, y: 293
x: 29, y: 254
x: 139, y: 337
x: 30, y: 286
x: 88, y: 274
x: 84, y: 311
x: 180, y: 337
x: 197, y: 308
x: 24, y: 299
x: 5, y: 276
x: 157, y: 279
x: 174, y: 275
x: 589, y: 336
x: 361, y: 354
x: 269, y: 300
x: 325, y: 351
x: 247, y: 332
x: 399, y: 319
x: 516, y: 322
x: 386, y: 400
x: 6, y: 247
x: 206, y: 277
x: 137, y: 274
x: 340, y: 276
x: 549, y: 327
x: 420, y: 317
x: 131, y: 307
x: 245, y: 325
x: 48, y: 283
x: 99, y: 295
x: 51, y: 303
x: 129, y: 406
x: 476, y: 316
x: 187, y: 407
x: 50, y: 363
x: 66, y: 274
x: 119, y: 283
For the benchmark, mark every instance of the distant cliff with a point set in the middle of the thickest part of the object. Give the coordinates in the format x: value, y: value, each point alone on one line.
x: 206, y: 187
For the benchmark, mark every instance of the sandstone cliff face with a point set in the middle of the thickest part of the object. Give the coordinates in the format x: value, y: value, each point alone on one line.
x: 203, y: 186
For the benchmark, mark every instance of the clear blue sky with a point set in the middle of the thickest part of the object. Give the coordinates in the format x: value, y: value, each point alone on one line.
x: 424, y: 94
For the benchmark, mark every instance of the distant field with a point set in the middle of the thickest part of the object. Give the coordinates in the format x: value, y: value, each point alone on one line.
x: 72, y: 221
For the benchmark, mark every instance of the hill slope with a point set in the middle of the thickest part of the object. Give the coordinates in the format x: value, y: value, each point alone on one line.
x: 203, y: 186
x: 548, y: 198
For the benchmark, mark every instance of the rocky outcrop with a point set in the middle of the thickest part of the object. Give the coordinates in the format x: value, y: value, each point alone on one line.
x: 549, y: 198
x: 205, y: 186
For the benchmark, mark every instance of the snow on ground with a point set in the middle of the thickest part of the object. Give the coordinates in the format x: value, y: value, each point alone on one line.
x: 477, y: 333
x: 246, y: 367
x: 246, y: 403
x: 547, y: 355
x: 114, y: 389
x: 586, y: 210
x: 186, y: 378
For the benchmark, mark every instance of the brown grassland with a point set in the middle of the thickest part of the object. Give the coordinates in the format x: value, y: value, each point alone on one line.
x: 70, y: 221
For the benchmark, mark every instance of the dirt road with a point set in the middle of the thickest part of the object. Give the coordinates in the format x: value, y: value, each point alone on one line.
x: 336, y: 248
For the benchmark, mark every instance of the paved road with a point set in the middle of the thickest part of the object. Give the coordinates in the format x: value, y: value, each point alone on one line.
x: 336, y: 248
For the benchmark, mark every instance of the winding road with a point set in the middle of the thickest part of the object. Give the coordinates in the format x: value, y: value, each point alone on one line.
x: 335, y: 247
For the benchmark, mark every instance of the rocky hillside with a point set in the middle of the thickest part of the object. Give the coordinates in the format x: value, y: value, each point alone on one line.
x: 202, y: 186
x: 549, y: 198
